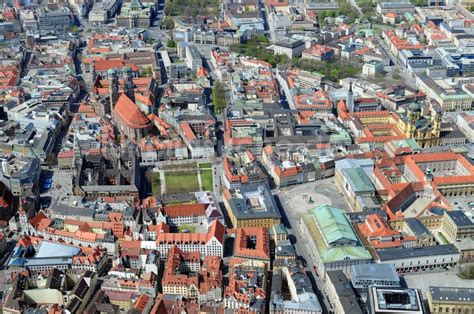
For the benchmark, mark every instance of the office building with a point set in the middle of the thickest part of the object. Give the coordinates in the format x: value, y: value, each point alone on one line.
x: 395, y: 301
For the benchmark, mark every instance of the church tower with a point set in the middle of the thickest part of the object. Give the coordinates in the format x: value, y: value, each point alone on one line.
x: 113, y: 88
x: 350, y: 99
x: 128, y: 83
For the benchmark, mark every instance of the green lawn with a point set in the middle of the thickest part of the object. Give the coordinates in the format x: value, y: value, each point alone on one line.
x: 189, y: 228
x: 155, y: 184
x: 181, y: 182
x: 206, y: 180
x: 205, y: 165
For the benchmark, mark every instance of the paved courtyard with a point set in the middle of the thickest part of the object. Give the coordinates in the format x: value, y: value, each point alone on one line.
x: 423, y: 280
x: 307, y: 196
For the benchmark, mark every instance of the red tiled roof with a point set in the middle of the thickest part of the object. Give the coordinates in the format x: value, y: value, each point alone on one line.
x: 130, y: 114
x: 261, y: 250
x: 141, y: 302
x: 105, y: 65
x: 183, y: 210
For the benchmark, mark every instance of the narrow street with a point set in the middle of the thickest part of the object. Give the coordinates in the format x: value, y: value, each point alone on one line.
x: 292, y: 221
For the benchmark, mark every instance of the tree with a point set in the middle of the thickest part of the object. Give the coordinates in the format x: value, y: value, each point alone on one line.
x: 218, y: 97
x: 171, y: 43
x: 147, y: 72
x: 168, y: 22
x: 396, y: 74
x: 52, y: 160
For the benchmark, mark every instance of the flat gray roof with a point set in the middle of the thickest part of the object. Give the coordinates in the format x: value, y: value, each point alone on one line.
x: 375, y: 272
x: 402, y: 253
x: 48, y: 261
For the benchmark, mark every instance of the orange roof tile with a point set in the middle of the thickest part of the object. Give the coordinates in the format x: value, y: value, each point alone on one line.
x: 130, y: 114
x: 184, y: 210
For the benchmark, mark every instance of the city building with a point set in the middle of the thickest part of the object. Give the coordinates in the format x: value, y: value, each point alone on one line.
x: 465, y: 123
x: 427, y: 178
x: 247, y: 285
x: 299, y: 299
x: 353, y: 178
x: 450, y: 299
x: 185, y: 276
x: 448, y: 94
x: 318, y: 53
x: 54, y: 18
x: 372, y: 68
x: 456, y: 225
x: 21, y: 175
x: 395, y: 7
x: 420, y: 258
x: 278, y: 233
x: 129, y: 119
x: 243, y: 168
x: 251, y: 206
x: 414, y: 227
x: 394, y: 300
x: 340, y: 293
x: 115, y: 174
x: 334, y: 243
x: 380, y: 236
x: 135, y: 14
x: 290, y: 48
x: 288, y: 167
x: 252, y: 243
x: 374, y: 275
x: 207, y: 244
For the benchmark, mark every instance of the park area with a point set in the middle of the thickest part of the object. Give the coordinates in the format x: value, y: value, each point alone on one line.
x: 182, y: 178
x: 181, y: 182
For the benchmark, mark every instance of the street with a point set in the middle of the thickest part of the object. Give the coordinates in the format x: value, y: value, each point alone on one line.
x: 325, y: 192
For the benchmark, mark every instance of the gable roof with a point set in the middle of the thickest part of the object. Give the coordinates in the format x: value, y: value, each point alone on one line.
x: 129, y: 113
x: 333, y: 224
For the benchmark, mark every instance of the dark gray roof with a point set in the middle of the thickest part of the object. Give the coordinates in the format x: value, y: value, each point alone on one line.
x: 66, y: 210
x: 242, y: 208
x: 285, y: 248
x: 288, y: 43
x: 417, y: 227
x: 401, y: 253
x: 460, y: 218
x: 465, y: 295
x: 345, y: 292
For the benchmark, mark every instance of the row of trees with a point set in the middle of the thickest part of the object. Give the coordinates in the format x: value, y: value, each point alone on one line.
x: 334, y: 71
x: 218, y: 97
x: 191, y: 8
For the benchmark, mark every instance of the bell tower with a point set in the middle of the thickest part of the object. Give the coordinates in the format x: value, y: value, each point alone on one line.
x: 113, y: 89
x: 128, y: 83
